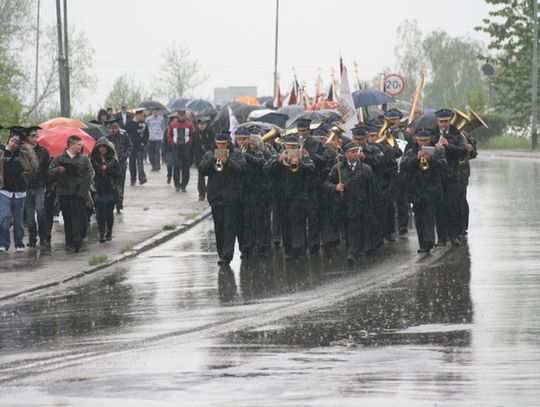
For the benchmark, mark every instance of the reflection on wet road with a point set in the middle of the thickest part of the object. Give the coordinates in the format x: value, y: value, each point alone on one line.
x: 458, y: 327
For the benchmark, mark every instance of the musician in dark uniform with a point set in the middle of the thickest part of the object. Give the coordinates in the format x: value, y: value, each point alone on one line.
x: 448, y: 138
x: 371, y: 154
x: 203, y: 140
x: 247, y: 217
x: 465, y: 173
x: 137, y: 131
x: 401, y: 184
x: 224, y: 174
x: 292, y: 177
x: 317, y: 153
x: 353, y: 181
x: 274, y: 149
x: 425, y: 171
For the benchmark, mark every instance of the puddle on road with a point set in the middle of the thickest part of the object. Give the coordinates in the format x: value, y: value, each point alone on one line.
x: 433, y: 306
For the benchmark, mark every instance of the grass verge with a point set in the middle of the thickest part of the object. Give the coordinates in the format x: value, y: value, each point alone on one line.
x: 95, y: 260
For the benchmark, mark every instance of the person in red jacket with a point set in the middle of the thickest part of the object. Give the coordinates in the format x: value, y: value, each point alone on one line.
x: 180, y: 138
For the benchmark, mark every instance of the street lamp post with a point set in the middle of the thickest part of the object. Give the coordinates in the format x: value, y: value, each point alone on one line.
x: 534, y: 79
x: 276, y: 50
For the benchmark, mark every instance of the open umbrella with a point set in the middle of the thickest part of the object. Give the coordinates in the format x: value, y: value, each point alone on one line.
x: 269, y: 116
x: 370, y: 97
x: 248, y: 100
x: 242, y: 112
x: 200, y: 106
x: 426, y: 120
x: 179, y: 103
x: 316, y: 116
x: 150, y: 105
x: 258, y: 125
x: 55, y: 139
x: 96, y: 130
x: 291, y: 110
x: 62, y: 122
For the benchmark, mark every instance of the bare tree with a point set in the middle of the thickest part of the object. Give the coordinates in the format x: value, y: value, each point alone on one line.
x: 126, y: 91
x: 80, y: 62
x: 179, y: 73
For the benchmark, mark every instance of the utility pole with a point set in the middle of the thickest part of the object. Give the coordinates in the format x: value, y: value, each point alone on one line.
x: 66, y: 63
x: 37, y: 62
x: 534, y: 79
x: 61, y: 75
x: 276, y: 50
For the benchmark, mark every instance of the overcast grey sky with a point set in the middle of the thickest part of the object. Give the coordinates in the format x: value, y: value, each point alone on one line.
x: 234, y: 39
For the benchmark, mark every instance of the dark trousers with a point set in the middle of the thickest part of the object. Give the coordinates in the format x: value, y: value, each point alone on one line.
x: 75, y: 220
x: 136, y: 165
x: 246, y: 227
x: 105, y: 217
x: 403, y: 207
x: 263, y: 225
x: 120, y: 185
x: 463, y: 209
x: 35, y: 207
x: 448, y: 214
x: 225, y: 229
x: 390, y: 218
x: 276, y: 224
x: 154, y: 153
x: 355, y: 236
x: 314, y: 221
x: 201, y: 185
x: 180, y: 172
x: 330, y: 230
x: 424, y: 220
x: 50, y: 200
x: 292, y: 215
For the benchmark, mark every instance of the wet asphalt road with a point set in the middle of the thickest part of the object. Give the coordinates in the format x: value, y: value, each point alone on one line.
x: 459, y: 327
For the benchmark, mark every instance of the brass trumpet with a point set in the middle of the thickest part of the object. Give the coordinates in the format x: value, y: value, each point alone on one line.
x: 218, y: 153
x: 424, y: 163
x: 290, y: 154
x: 385, y: 136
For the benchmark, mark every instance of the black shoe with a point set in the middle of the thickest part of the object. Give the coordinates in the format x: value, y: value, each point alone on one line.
x: 143, y: 181
x: 68, y: 248
x: 76, y: 249
x: 403, y: 231
x: 201, y: 198
x: 314, y: 249
x: 277, y: 243
x: 390, y: 238
x: 102, y: 238
x: 441, y: 243
x: 177, y: 189
x: 133, y: 183
x: 31, y: 244
x: 108, y: 236
x: 350, y: 261
x: 183, y: 189
x: 44, y: 243
x: 455, y: 242
x: 168, y: 179
x: 118, y: 211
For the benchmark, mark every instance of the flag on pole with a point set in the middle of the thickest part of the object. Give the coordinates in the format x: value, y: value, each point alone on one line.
x: 292, y: 96
x: 278, y: 102
x: 233, y: 123
x: 417, y: 99
x: 345, y: 100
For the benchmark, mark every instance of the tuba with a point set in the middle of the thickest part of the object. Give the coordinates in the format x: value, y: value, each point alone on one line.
x: 273, y: 134
x: 467, y: 123
x: 385, y: 136
x: 218, y: 153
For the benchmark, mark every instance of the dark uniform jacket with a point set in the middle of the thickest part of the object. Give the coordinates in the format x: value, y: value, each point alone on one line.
x: 202, y: 142
x: 225, y: 187
x: 425, y: 186
x: 455, y: 151
x: 288, y: 184
x: 251, y: 181
x: 358, y: 182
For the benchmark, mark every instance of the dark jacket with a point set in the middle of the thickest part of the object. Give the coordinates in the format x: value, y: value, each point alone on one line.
x: 288, y: 184
x: 138, y: 134
x: 224, y: 187
x: 77, y: 178
x: 24, y: 162
x: 122, y: 145
x: 425, y: 186
x: 202, y: 142
x: 40, y: 177
x: 119, y: 119
x: 104, y: 180
x: 251, y: 181
x: 358, y: 193
x: 455, y: 151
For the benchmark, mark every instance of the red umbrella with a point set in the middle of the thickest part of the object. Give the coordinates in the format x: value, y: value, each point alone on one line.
x: 55, y: 139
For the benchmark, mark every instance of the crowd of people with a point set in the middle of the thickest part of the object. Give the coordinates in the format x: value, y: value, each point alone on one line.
x: 308, y: 188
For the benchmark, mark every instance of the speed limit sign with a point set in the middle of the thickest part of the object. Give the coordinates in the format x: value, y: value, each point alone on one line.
x: 394, y: 84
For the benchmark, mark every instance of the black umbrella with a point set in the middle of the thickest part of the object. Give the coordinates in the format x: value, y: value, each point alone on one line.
x: 200, y: 106
x: 179, y: 103
x: 242, y: 111
x: 316, y: 116
x: 425, y: 120
x: 291, y: 110
x: 370, y: 97
x: 150, y: 105
x: 269, y: 116
x: 256, y: 125
x: 96, y: 130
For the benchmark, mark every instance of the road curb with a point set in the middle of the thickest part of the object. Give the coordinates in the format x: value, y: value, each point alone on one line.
x: 145, y: 245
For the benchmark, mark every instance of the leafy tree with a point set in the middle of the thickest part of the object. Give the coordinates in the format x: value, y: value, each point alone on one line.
x: 126, y: 91
x: 179, y: 73
x: 511, y: 40
x: 451, y: 64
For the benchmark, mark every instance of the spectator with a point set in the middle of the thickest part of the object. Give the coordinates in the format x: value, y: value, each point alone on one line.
x: 138, y: 134
x: 124, y: 117
x: 179, y: 136
x: 122, y: 144
x: 156, y: 127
